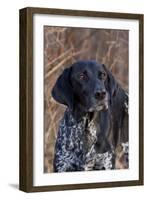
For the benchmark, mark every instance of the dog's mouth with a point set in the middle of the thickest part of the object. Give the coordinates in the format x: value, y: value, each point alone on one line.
x: 102, y: 105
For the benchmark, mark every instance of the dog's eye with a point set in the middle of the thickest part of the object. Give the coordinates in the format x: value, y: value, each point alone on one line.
x: 102, y: 75
x: 83, y: 76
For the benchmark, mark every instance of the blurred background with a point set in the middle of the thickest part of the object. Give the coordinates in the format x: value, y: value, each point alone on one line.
x: 64, y: 46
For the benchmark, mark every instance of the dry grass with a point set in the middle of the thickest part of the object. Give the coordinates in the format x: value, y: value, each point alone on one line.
x: 64, y: 46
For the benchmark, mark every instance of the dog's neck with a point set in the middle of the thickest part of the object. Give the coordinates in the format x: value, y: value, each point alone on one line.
x: 79, y: 113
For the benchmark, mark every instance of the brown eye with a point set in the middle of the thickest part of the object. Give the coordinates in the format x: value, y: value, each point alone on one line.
x: 82, y: 76
x: 102, y: 75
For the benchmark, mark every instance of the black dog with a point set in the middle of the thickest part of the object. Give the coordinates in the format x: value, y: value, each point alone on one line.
x: 96, y: 119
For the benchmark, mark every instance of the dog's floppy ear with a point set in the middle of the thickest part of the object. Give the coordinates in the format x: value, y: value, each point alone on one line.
x: 111, y: 84
x: 62, y: 91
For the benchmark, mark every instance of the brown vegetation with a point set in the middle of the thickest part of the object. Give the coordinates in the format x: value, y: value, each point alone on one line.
x: 62, y: 47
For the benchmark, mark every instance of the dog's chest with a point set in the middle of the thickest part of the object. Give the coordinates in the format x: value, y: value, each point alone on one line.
x: 81, y: 136
x: 77, y: 142
x: 90, y: 134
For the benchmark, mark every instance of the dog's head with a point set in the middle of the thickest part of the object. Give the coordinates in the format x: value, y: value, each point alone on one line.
x: 86, y: 85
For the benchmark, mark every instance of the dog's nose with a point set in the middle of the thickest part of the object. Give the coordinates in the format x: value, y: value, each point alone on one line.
x: 100, y: 94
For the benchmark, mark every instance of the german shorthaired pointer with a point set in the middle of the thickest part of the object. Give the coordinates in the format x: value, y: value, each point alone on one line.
x: 95, y: 121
